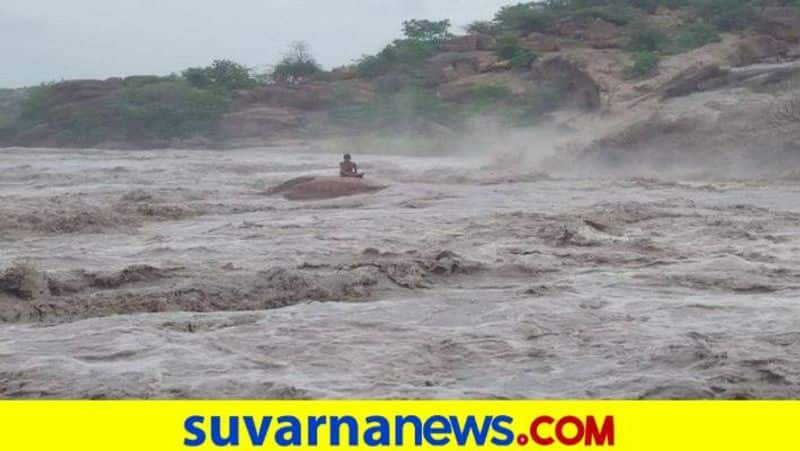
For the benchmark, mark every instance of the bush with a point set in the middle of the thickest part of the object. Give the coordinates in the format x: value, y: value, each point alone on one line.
x: 297, y: 64
x: 510, y: 48
x: 422, y: 30
x: 170, y: 109
x: 7, y: 120
x: 692, y: 36
x: 482, y: 27
x: 221, y: 74
x: 35, y: 107
x: 523, y: 58
x: 405, y: 57
x: 728, y: 15
x: 643, y: 38
x: 645, y: 63
x: 525, y: 17
x: 613, y: 13
x: 405, y: 110
x: 487, y: 96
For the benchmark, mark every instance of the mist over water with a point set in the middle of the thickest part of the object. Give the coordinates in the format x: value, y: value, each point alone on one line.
x: 495, y: 273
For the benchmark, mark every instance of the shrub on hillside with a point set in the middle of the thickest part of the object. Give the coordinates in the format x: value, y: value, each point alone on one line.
x: 482, y: 97
x: 644, y: 38
x: 405, y: 110
x: 170, y: 109
x: 645, y: 63
x: 405, y: 57
x: 509, y: 47
x: 618, y: 14
x: 692, y: 36
x: 422, y: 30
x: 35, y: 107
x: 221, y: 74
x: 297, y: 64
x: 728, y: 15
x: 525, y: 17
x: 482, y: 27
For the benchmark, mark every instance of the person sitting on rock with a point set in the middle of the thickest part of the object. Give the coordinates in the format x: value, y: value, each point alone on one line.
x: 349, y: 169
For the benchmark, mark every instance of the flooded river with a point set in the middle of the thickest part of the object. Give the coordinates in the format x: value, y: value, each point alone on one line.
x: 173, y: 274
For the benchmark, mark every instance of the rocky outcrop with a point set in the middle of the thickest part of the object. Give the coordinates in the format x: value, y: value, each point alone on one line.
x: 713, y: 77
x: 759, y: 48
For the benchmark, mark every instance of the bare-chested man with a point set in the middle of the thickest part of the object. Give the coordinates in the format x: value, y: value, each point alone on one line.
x: 349, y: 169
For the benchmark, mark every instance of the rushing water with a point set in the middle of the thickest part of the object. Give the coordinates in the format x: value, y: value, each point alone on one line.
x: 172, y: 274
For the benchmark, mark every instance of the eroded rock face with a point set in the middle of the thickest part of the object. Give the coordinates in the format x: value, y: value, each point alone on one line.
x: 691, y: 80
x: 759, y: 49
x: 782, y: 23
x: 584, y: 92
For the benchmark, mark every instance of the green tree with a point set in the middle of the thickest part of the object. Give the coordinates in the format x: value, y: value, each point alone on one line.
x: 221, y: 74
x: 297, y: 64
x: 423, y: 30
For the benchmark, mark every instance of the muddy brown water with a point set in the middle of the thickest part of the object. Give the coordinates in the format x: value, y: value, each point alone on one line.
x: 165, y: 274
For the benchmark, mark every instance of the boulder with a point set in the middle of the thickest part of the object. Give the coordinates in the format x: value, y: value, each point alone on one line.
x: 319, y: 188
x: 782, y: 23
x: 469, y: 43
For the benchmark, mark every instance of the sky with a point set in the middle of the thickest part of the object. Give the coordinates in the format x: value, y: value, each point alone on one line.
x: 51, y: 40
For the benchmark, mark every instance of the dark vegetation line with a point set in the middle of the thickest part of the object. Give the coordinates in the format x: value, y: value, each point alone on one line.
x: 402, y: 91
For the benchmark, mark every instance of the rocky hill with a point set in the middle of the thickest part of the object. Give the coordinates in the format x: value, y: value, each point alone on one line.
x: 624, y: 84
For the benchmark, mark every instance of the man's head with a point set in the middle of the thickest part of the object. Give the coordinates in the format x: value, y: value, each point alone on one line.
x: 347, y: 157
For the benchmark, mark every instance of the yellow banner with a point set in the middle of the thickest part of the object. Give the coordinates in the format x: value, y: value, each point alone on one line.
x: 420, y: 425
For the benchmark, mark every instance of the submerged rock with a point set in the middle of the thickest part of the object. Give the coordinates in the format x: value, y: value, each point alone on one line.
x: 318, y: 188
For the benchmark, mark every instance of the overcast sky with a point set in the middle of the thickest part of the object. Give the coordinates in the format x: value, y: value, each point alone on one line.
x: 46, y: 40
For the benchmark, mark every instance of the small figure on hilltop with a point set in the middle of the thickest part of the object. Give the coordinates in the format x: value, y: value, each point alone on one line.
x: 349, y: 169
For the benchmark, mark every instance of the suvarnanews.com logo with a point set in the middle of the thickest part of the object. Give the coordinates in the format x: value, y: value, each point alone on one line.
x: 406, y: 431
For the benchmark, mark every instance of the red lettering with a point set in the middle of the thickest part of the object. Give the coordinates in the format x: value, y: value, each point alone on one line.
x: 600, y: 436
x: 562, y: 424
x: 543, y: 441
